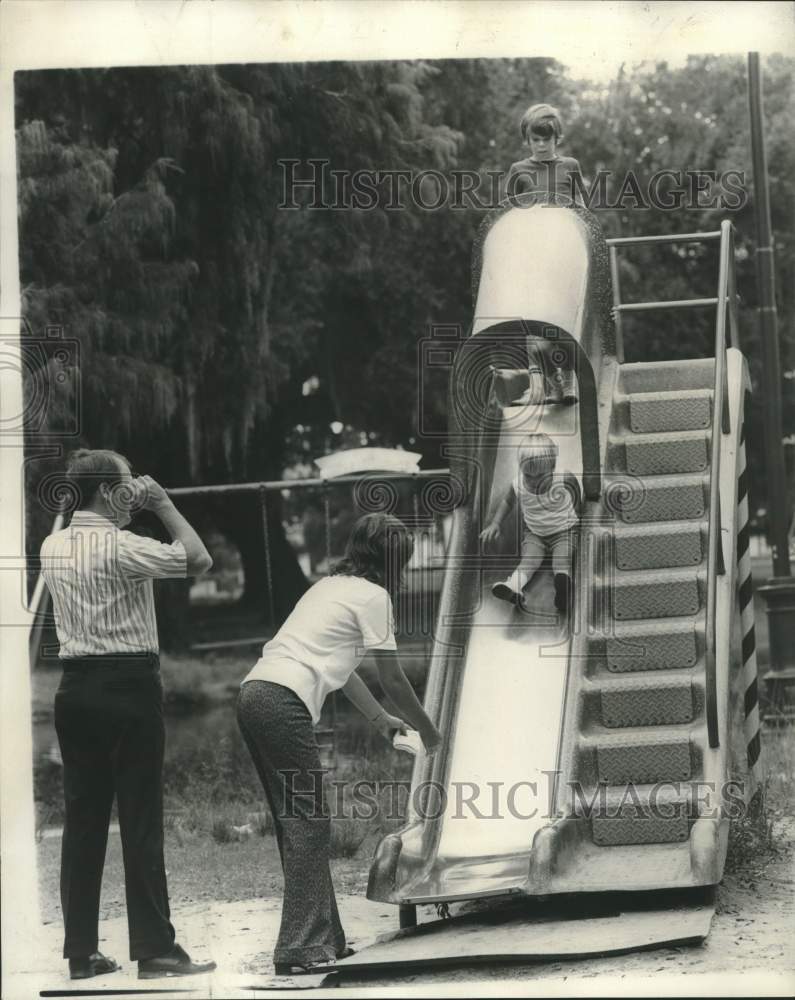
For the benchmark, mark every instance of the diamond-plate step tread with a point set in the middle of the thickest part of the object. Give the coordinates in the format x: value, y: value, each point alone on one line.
x: 663, y: 454
x: 641, y: 595
x: 637, y: 814
x: 673, y: 498
x: 663, y: 646
x: 646, y: 701
x: 661, y: 376
x: 641, y: 757
x: 663, y: 547
x: 654, y: 412
x: 632, y: 826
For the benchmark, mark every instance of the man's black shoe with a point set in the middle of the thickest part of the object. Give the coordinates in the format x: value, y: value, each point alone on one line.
x: 91, y: 965
x: 174, y: 963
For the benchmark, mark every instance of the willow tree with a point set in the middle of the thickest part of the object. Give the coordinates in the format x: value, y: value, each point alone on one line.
x: 151, y: 231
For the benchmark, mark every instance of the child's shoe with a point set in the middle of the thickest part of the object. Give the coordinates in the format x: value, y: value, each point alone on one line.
x: 561, y: 387
x: 564, y: 592
x: 503, y: 592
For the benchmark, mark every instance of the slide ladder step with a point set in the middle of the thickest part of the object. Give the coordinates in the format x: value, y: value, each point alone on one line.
x: 668, y: 376
x: 638, y: 596
x: 637, y: 814
x: 655, y: 412
x: 643, y: 757
x: 663, y: 547
x: 646, y: 701
x: 635, y: 501
x: 651, y: 646
x: 665, y: 454
x: 632, y: 828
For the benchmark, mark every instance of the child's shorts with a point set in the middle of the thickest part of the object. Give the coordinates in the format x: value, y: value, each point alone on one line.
x: 559, y: 546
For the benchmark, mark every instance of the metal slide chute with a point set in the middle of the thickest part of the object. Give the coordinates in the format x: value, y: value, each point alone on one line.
x: 596, y: 758
x: 497, y: 680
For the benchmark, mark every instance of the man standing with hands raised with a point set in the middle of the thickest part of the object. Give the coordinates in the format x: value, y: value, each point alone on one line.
x: 109, y: 706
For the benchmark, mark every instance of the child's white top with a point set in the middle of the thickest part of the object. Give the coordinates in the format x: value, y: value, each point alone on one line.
x: 546, y: 513
x: 326, y: 637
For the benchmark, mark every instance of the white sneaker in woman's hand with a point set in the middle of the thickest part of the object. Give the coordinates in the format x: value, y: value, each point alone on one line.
x: 409, y: 741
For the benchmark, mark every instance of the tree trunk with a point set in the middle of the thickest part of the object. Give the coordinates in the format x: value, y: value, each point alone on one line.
x: 240, y: 518
x: 191, y: 427
x: 331, y: 375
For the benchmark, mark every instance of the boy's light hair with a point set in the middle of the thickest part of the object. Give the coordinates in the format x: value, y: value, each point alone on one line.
x: 542, y: 119
x: 539, y: 451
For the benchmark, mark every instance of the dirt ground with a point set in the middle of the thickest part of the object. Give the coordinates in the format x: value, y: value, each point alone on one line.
x: 750, y: 950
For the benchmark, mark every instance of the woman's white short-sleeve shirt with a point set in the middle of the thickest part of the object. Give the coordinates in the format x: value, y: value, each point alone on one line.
x: 326, y: 637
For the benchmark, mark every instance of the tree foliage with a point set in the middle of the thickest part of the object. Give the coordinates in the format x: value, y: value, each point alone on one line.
x: 151, y: 230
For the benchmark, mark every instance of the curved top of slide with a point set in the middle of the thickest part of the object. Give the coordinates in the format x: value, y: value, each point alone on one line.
x: 541, y: 273
x: 538, y: 260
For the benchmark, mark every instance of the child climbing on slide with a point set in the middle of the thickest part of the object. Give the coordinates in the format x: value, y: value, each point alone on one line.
x: 550, y: 509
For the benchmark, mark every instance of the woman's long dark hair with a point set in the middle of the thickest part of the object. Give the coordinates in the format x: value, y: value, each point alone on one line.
x: 379, y: 549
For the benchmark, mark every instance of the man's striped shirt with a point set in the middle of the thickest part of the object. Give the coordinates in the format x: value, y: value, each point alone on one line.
x: 100, y: 578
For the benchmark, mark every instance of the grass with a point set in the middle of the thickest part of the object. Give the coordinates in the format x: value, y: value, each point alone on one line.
x: 212, y: 793
x: 211, y: 787
x: 199, y: 871
x: 779, y: 755
x: 347, y: 837
x: 751, y: 836
x: 219, y: 831
x: 765, y: 829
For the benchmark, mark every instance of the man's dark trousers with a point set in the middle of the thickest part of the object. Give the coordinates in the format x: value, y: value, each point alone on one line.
x: 109, y: 721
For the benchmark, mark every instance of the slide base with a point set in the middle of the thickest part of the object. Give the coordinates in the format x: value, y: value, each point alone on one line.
x: 526, y: 930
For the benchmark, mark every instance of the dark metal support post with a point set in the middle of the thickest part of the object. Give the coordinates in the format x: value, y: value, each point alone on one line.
x: 778, y: 592
x: 776, y: 480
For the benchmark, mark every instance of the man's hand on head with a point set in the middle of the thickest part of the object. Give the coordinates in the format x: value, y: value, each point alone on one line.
x: 154, y: 496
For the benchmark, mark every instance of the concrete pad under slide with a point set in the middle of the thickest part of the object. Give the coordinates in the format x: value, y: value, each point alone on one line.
x: 526, y: 930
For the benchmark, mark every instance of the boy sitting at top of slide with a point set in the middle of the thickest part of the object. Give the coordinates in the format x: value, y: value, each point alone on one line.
x: 544, y: 170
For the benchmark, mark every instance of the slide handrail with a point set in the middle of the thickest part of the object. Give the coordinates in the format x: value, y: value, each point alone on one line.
x: 277, y: 485
x: 589, y: 421
x: 721, y: 422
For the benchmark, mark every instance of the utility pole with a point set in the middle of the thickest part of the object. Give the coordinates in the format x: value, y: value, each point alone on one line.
x: 768, y: 328
x: 779, y: 592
